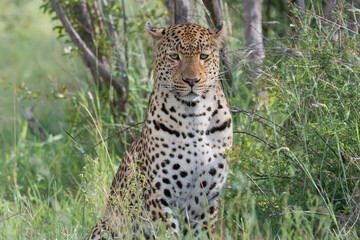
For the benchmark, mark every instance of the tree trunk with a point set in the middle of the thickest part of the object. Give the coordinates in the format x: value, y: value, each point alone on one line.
x: 328, y: 11
x: 254, y: 38
x: 301, y: 6
x: 215, y: 9
x: 86, y: 32
x: 179, y: 11
x: 354, y: 24
x: 217, y: 16
x: 90, y: 58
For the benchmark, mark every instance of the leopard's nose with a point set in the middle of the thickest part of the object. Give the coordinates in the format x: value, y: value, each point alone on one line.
x: 191, y: 81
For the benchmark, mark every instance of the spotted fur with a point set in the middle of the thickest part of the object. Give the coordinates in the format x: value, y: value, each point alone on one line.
x: 181, y: 151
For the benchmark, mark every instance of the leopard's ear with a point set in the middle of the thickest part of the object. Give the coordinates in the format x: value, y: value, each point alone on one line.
x: 154, y: 32
x: 218, y: 33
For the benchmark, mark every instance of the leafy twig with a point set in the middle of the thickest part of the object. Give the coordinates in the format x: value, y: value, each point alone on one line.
x: 267, y: 198
x: 271, y: 146
x: 288, y: 133
x: 251, y: 114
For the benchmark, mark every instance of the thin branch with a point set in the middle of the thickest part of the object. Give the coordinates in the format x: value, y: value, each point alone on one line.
x: 15, y: 215
x: 353, y: 225
x: 357, y: 211
x: 328, y: 145
x: 113, y: 135
x: 85, y: 151
x: 266, y: 177
x: 356, y: 112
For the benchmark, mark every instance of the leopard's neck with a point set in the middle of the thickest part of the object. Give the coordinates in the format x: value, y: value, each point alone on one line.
x: 169, y: 110
x: 173, y: 125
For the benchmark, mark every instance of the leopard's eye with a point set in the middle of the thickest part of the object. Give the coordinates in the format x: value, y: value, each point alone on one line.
x: 174, y: 56
x: 203, y: 56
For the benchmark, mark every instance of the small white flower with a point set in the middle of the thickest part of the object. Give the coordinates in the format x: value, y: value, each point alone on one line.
x: 67, y: 50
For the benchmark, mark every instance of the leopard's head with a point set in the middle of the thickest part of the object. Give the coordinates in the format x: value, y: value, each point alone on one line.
x: 187, y: 58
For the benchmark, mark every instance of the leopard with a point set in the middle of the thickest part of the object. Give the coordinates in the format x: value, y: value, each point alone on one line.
x: 182, y: 150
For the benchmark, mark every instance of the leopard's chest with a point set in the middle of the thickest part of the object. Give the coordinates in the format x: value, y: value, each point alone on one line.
x: 190, y: 167
x: 188, y: 152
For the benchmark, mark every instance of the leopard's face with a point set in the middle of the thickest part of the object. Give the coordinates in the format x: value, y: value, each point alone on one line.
x: 187, y: 58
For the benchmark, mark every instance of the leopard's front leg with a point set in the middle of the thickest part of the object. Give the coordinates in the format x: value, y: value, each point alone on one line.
x: 159, y: 209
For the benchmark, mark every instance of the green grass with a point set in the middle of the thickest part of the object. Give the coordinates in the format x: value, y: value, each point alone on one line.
x: 298, y: 180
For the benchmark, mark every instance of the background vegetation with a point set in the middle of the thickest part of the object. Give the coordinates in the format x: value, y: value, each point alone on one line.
x: 295, y: 166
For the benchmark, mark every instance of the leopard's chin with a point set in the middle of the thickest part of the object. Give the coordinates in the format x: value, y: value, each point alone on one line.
x: 189, y: 95
x: 192, y: 96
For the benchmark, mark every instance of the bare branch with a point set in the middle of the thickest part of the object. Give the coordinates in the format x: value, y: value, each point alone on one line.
x: 356, y: 112
x: 15, y: 215
x: 114, y: 134
x: 357, y: 212
x: 79, y: 147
